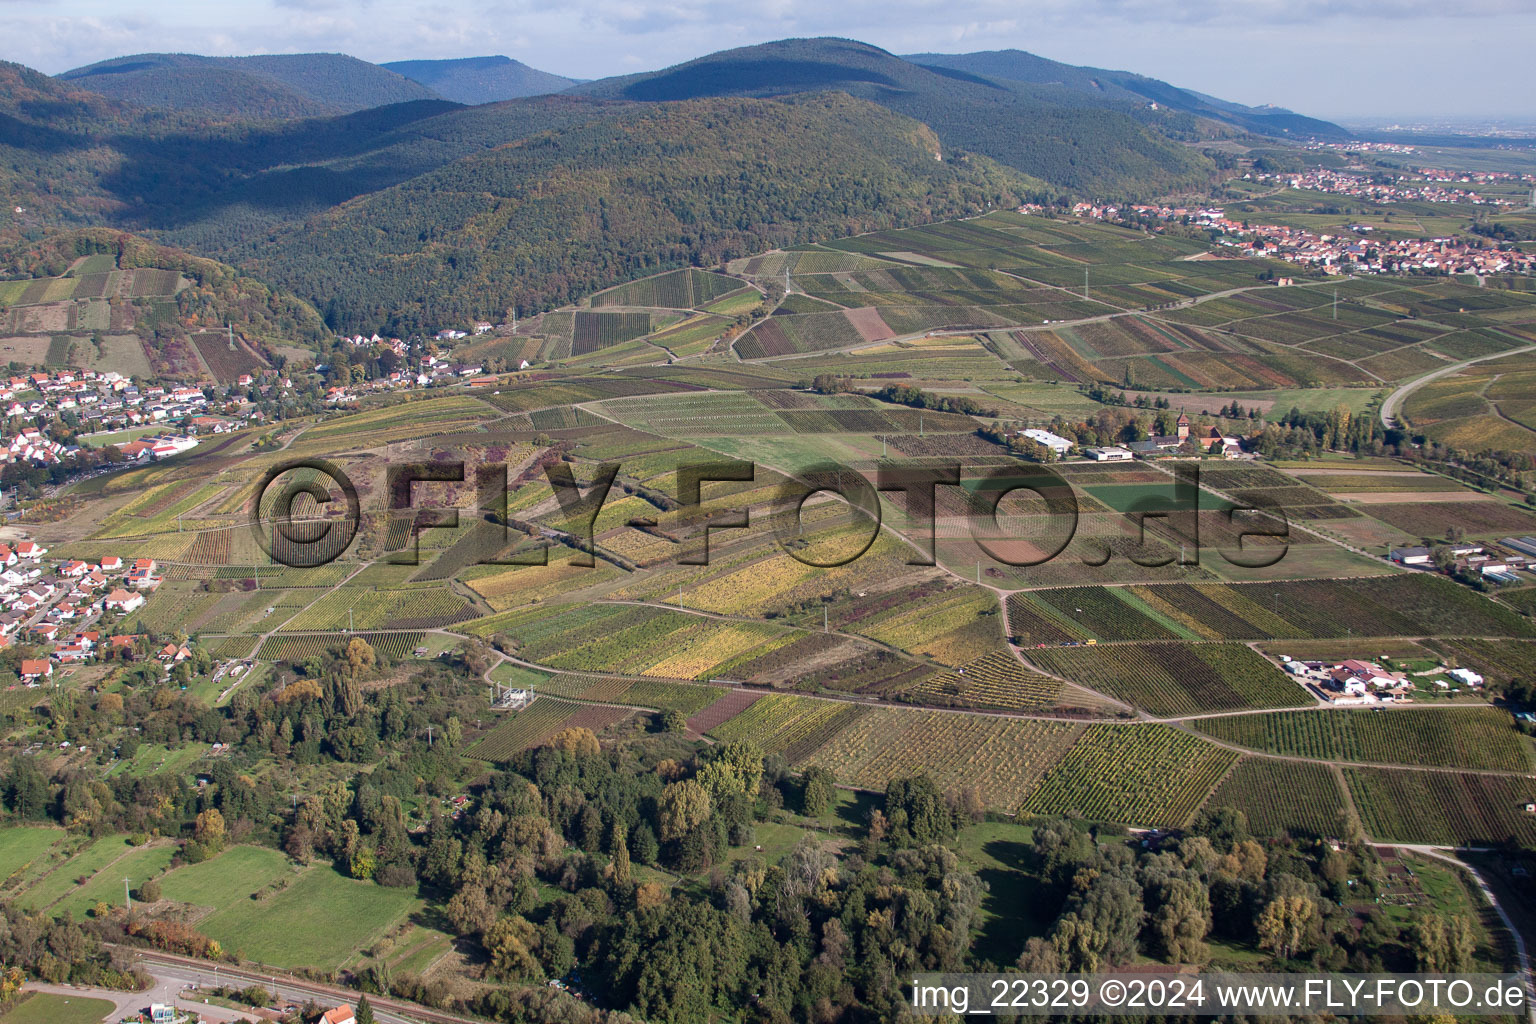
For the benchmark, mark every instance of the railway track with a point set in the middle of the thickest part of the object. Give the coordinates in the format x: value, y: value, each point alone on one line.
x: 203, y: 972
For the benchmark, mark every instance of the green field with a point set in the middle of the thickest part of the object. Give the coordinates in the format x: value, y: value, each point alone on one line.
x: 46, y: 1008
x: 82, y: 867
x: 319, y: 919
x: 232, y: 876
x: 107, y: 885
x: 22, y: 848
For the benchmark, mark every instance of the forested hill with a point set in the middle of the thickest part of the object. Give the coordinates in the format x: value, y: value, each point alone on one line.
x: 545, y: 220
x: 1099, y: 145
x: 1017, y: 65
x: 265, y: 86
x: 480, y: 79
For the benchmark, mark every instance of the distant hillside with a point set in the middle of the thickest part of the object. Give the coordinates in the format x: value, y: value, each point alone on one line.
x: 1046, y: 133
x: 110, y: 300
x: 542, y: 221
x: 480, y: 79
x: 1019, y: 66
x: 72, y: 158
x: 267, y: 86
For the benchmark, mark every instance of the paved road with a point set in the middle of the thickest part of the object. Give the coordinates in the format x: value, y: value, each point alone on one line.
x: 1395, y: 399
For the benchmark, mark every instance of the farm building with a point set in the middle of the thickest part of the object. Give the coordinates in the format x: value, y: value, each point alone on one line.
x: 1055, y: 442
x: 1411, y: 556
x: 1524, y: 545
x: 1466, y: 677
x: 1115, y: 454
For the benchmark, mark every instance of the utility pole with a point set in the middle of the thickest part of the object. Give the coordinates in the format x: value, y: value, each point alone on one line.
x: 1085, y: 282
x: 825, y: 627
x: 127, y: 895
x: 1335, y: 303
x: 231, y: 328
x: 429, y: 735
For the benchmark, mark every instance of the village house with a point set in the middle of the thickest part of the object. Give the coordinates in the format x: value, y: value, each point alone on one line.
x: 124, y: 601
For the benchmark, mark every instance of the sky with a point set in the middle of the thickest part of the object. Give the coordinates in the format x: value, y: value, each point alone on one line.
x: 1402, y: 59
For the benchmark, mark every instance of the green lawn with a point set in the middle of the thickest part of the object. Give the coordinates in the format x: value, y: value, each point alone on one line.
x: 775, y: 838
x: 20, y: 847
x: 44, y: 1008
x: 319, y: 920
x: 508, y: 674
x: 418, y: 948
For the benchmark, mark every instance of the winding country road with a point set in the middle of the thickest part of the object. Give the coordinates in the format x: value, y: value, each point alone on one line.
x: 1395, y: 399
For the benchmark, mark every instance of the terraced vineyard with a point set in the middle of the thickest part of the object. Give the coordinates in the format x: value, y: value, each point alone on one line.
x: 1137, y: 774
x: 361, y: 608
x: 679, y: 289
x: 793, y: 726
x: 1003, y: 758
x: 994, y: 680
x: 953, y: 628
x: 297, y: 649
x: 523, y: 729
x: 1170, y: 679
x: 1284, y: 796
x: 1402, y: 604
x: 1481, y: 738
x: 1447, y: 808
